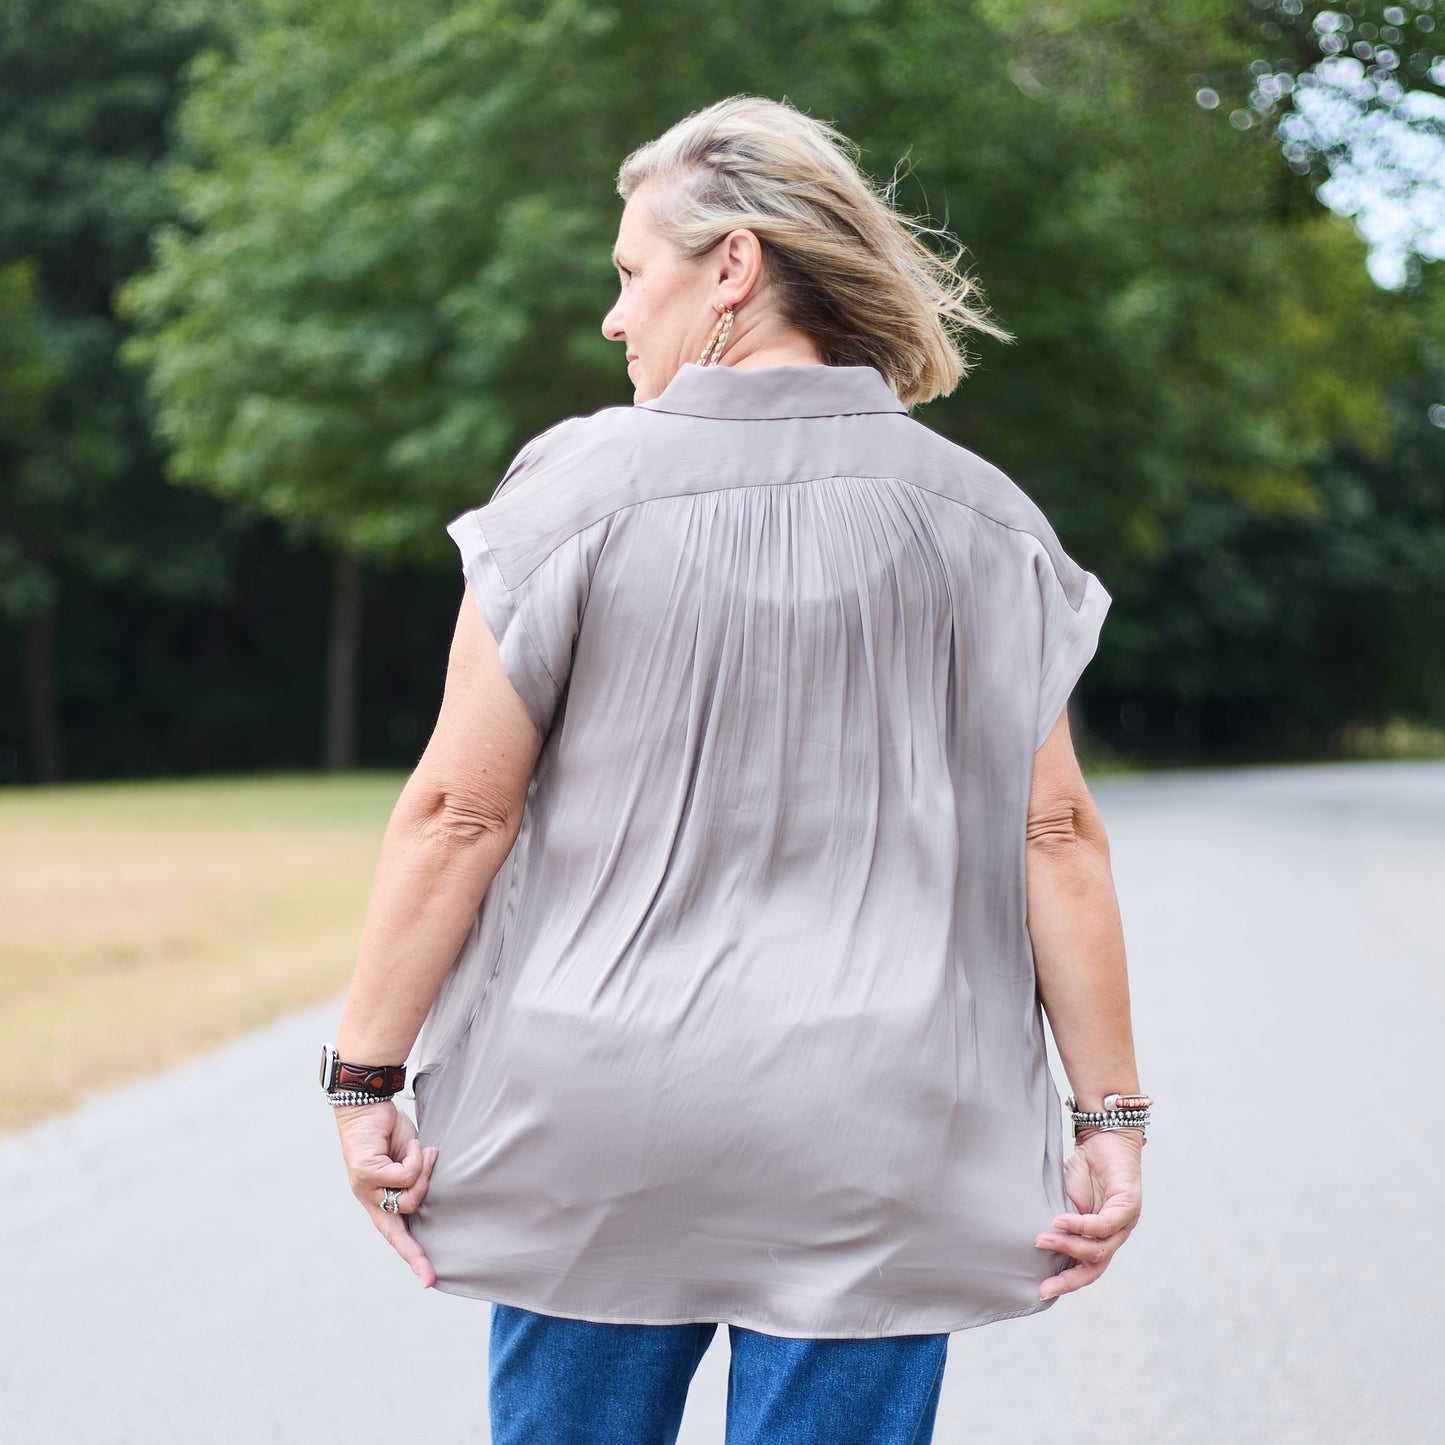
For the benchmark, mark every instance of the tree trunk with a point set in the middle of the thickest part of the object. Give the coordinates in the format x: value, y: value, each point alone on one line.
x: 343, y: 663
x: 37, y: 661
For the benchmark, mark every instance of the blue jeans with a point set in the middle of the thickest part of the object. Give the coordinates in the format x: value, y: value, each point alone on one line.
x: 573, y: 1382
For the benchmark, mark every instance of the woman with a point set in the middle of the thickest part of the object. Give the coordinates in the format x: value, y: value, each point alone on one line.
x: 748, y: 842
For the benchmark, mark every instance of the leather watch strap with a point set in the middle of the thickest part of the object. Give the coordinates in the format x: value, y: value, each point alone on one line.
x: 379, y: 1080
x: 359, y: 1079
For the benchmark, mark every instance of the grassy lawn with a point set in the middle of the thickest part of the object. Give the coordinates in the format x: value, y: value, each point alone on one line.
x: 143, y: 923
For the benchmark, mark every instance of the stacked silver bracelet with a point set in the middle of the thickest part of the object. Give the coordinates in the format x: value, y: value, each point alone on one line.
x: 344, y: 1097
x: 1119, y: 1119
x: 1119, y: 1112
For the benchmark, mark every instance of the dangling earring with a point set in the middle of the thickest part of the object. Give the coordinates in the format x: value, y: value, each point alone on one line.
x: 712, y: 352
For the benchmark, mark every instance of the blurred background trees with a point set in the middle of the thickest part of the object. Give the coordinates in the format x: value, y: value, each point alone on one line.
x: 353, y: 255
x: 94, y: 544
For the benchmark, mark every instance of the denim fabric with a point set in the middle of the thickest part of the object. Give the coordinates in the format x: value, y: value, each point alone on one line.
x: 574, y: 1382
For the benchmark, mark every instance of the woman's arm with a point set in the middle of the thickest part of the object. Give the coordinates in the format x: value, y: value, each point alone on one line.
x: 451, y: 830
x: 1078, y: 940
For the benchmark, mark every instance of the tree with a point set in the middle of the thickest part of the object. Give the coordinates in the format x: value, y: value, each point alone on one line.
x: 365, y: 226
x: 391, y: 259
x: 1287, y: 507
x: 86, y: 87
x: 30, y: 377
x: 1356, y: 92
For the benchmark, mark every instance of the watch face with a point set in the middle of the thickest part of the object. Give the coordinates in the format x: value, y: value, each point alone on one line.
x: 327, y: 1055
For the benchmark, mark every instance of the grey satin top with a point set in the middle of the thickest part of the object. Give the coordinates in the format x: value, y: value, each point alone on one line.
x: 746, y: 1029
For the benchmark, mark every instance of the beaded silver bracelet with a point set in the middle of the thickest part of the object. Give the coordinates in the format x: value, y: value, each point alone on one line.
x: 1121, y: 1120
x: 344, y: 1098
x: 1134, y: 1113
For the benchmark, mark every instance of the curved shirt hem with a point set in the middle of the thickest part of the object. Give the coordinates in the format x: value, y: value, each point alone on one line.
x: 742, y: 1319
x: 760, y: 971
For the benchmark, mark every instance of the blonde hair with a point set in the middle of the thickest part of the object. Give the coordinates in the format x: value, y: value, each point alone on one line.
x: 851, y: 272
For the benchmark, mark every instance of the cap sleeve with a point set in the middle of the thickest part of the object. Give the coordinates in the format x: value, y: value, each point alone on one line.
x: 1074, y: 603
x: 529, y: 572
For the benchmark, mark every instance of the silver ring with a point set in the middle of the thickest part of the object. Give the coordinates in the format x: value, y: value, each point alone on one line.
x: 391, y: 1200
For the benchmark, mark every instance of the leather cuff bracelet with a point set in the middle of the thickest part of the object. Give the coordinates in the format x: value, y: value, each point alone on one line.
x: 376, y: 1081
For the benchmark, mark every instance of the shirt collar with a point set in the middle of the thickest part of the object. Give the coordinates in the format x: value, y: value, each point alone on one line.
x: 770, y: 393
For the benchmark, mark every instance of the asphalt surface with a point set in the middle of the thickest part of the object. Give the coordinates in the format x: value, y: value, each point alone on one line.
x: 180, y: 1261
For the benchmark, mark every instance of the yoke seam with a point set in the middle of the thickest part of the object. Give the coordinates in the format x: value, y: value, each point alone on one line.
x: 800, y: 482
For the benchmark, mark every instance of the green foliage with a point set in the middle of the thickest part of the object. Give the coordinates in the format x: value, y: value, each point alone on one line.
x: 1185, y: 332
x: 86, y: 90
x: 392, y: 260
x: 1322, y: 617
x: 1358, y: 92
x: 378, y: 263
x: 55, y: 454
x: 30, y: 376
x: 378, y: 266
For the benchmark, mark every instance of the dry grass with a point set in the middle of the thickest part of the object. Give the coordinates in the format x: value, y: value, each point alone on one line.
x: 141, y: 924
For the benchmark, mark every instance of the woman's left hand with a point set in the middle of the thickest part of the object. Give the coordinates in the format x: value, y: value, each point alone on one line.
x: 1104, y: 1183
x: 380, y: 1147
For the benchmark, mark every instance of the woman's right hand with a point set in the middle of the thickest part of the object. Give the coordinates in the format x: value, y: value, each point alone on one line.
x: 1104, y: 1181
x: 380, y: 1147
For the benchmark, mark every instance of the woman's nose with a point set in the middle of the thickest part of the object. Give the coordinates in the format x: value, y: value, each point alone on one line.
x: 612, y: 325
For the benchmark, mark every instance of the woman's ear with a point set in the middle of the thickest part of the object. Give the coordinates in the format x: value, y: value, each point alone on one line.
x: 741, y: 267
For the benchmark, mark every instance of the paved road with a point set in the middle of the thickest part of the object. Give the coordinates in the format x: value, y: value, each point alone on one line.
x: 179, y: 1264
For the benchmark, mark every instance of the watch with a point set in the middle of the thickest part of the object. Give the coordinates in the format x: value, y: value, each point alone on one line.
x: 380, y: 1081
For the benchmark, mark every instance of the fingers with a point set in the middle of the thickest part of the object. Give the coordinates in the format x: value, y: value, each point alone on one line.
x: 1102, y: 1182
x: 382, y: 1154
x: 1088, y: 1252
x: 410, y: 1196
x: 393, y: 1226
x: 393, y: 1229
x: 373, y: 1171
x: 1090, y: 1240
x: 1068, y: 1280
x: 1109, y: 1220
x: 379, y: 1151
x: 1091, y: 1258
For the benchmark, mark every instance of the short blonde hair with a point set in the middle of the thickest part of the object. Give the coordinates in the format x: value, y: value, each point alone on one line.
x: 851, y: 272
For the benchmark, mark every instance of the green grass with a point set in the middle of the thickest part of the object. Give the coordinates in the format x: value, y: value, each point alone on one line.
x: 144, y: 923
x: 1398, y: 738
x: 298, y: 799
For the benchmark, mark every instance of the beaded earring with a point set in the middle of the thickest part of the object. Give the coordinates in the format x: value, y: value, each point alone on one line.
x: 712, y: 352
